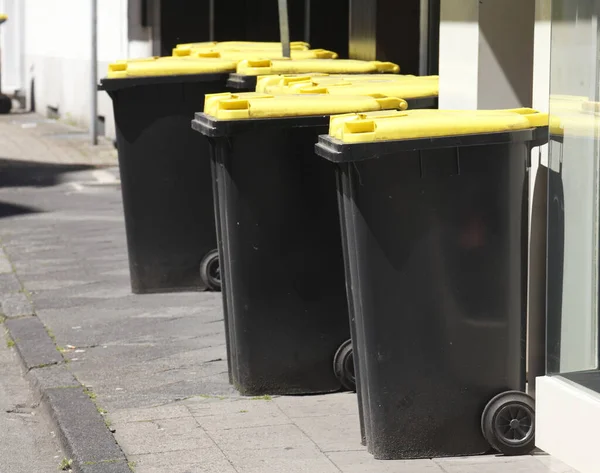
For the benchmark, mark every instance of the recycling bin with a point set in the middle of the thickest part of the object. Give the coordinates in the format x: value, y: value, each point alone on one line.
x: 167, y: 190
x: 435, y: 223
x: 240, y: 45
x: 281, y: 251
x: 256, y: 53
x: 245, y: 78
x: 299, y: 83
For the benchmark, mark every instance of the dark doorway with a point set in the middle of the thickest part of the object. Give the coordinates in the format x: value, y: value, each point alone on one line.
x: 187, y: 21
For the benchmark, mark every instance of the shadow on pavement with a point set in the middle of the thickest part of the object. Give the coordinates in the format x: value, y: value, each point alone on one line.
x: 15, y: 173
x: 8, y: 209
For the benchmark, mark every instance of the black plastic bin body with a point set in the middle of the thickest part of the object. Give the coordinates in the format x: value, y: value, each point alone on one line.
x: 281, y: 253
x: 436, y: 252
x: 167, y: 190
x: 284, y: 274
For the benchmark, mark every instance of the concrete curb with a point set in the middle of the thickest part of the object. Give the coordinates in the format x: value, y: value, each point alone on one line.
x: 81, y: 429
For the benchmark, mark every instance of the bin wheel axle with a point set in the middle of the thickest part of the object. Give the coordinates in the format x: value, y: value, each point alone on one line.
x: 508, y: 423
x: 210, y: 270
x: 343, y: 366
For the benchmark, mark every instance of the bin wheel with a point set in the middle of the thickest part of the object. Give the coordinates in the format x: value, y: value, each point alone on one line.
x: 210, y: 270
x: 343, y: 366
x: 5, y: 104
x: 508, y: 423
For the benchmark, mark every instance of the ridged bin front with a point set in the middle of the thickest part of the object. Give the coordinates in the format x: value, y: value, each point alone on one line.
x: 167, y: 188
x: 435, y: 237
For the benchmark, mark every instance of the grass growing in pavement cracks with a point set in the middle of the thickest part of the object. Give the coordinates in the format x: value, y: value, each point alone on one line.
x: 266, y: 397
x: 210, y: 396
x: 51, y: 334
x: 65, y: 464
x: 9, y: 340
x: 27, y: 294
x: 103, y: 412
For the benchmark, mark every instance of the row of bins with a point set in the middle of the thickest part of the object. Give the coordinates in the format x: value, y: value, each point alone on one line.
x: 167, y: 193
x: 394, y: 266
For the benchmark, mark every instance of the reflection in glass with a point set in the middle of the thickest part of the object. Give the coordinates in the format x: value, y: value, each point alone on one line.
x: 572, y: 303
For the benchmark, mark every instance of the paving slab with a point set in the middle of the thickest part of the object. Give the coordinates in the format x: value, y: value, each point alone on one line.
x: 31, y: 340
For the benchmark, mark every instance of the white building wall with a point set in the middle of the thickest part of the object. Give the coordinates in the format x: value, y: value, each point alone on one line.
x: 12, y: 44
x: 57, y: 38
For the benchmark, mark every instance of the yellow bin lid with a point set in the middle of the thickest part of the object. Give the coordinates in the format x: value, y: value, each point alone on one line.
x: 414, y: 124
x: 252, y: 67
x: 238, y: 45
x: 169, y: 66
x: 228, y: 106
x: 407, y: 89
x: 288, y: 83
x: 240, y: 55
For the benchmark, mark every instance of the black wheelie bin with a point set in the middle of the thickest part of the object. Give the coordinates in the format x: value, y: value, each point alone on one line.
x: 278, y: 216
x: 167, y: 190
x: 435, y: 226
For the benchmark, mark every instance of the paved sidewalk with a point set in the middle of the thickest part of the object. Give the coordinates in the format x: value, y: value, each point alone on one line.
x: 33, y: 138
x: 154, y: 366
x: 26, y: 443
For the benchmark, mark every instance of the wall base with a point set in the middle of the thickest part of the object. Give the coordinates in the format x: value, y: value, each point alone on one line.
x: 568, y: 422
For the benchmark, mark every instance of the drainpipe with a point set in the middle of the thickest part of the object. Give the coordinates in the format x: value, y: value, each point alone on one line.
x: 307, y: 21
x: 94, y: 74
x: 211, y: 20
x: 284, y: 28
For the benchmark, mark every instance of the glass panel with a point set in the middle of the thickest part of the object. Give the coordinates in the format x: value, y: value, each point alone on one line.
x: 572, y: 331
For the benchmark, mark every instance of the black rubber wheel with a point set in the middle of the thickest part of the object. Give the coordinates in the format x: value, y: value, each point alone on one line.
x: 5, y: 104
x: 343, y: 366
x: 508, y: 423
x: 210, y: 270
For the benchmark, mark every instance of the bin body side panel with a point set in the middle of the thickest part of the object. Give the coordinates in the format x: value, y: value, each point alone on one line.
x: 282, y: 260
x: 218, y: 176
x: 439, y: 238
x: 345, y: 206
x: 166, y: 184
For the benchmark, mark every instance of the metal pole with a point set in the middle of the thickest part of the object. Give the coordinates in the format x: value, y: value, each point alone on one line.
x: 94, y: 74
x: 211, y: 20
x: 424, y: 38
x: 284, y: 28
x: 307, y: 21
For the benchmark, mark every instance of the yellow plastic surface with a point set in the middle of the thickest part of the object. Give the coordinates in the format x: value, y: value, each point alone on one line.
x: 3, y: 17
x: 241, y: 106
x: 252, y: 67
x: 291, y: 83
x: 240, y: 55
x: 239, y: 45
x: 409, y: 88
x: 167, y: 66
x: 413, y: 124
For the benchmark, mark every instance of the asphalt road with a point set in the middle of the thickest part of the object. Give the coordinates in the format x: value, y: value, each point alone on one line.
x: 27, y: 444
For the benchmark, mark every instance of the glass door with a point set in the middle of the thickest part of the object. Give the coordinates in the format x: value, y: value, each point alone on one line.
x: 573, y: 193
